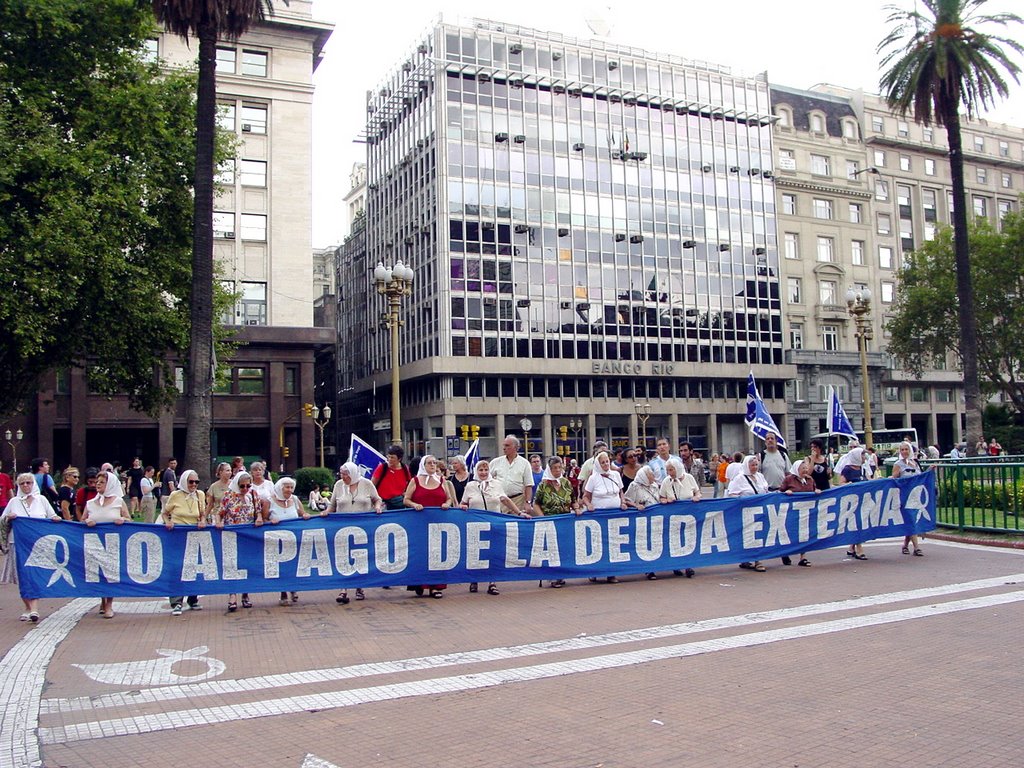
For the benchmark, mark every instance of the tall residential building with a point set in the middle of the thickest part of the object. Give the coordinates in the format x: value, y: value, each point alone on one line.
x: 592, y: 227
x: 262, y: 226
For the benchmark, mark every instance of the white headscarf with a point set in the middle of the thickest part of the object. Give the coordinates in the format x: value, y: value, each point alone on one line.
x: 35, y: 486
x: 856, y: 457
x: 113, y: 492
x: 422, y: 471
x: 678, y: 464
x: 476, y: 475
x: 183, y: 482
x: 355, y: 474
x: 646, y: 477
x: 795, y: 469
x: 746, y: 464
x: 233, y: 485
x: 280, y: 484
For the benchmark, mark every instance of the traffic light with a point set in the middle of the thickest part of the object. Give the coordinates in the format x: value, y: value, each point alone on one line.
x: 563, y: 433
x: 464, y: 429
x: 475, y: 430
x: 286, y: 452
x: 307, y: 408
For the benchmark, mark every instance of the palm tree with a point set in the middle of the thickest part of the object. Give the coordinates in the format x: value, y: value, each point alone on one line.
x: 938, y: 62
x: 207, y: 21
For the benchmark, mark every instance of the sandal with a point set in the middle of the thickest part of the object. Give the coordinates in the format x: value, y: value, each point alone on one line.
x: 690, y: 573
x: 342, y: 598
x: 652, y: 576
x: 360, y: 595
x: 106, y: 615
x: 918, y: 553
x: 851, y: 553
x: 759, y: 568
x: 906, y: 550
x: 232, y: 606
x: 23, y: 617
x: 246, y: 603
x: 493, y: 590
x: 860, y: 557
x: 747, y: 565
x: 612, y: 580
x: 284, y: 599
x: 558, y: 583
x: 592, y: 580
x: 295, y: 597
x: 437, y: 594
x: 473, y: 586
x: 786, y: 560
x: 804, y: 562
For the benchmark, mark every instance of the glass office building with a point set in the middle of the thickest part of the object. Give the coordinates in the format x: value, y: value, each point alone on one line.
x: 591, y: 226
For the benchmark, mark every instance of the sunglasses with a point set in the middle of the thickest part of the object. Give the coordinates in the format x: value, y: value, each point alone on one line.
x: 243, y: 485
x: 193, y: 482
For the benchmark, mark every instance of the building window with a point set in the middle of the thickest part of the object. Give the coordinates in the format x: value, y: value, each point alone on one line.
x: 817, y: 123
x: 884, y: 223
x: 254, y: 118
x: 253, y: 303
x: 226, y: 60
x: 291, y: 380
x: 799, y: 391
x: 943, y: 395
x: 929, y: 167
x: 856, y: 213
x: 791, y: 245
x: 151, y: 50
x: 857, y: 252
x: 251, y: 381
x: 1006, y: 180
x: 905, y: 163
x: 820, y: 165
x: 827, y: 292
x: 1004, y: 209
x: 1004, y: 149
x: 789, y: 204
x: 225, y: 172
x: 849, y: 129
x: 822, y: 208
x: 254, y: 173
x: 982, y: 175
x: 979, y: 143
x: 918, y: 395
x: 928, y: 134
x: 892, y: 394
x: 787, y: 160
x: 254, y: 226
x: 888, y: 292
x: 785, y: 120
x: 830, y: 338
x: 928, y: 203
x: 826, y: 249
x: 796, y: 336
x: 794, y: 290
x: 879, y: 158
x: 226, y: 117
x: 981, y: 207
x: 885, y: 256
x: 881, y: 189
x: 254, y: 63
x: 223, y: 224
x: 902, y: 129
x: 877, y: 124
x: 852, y: 169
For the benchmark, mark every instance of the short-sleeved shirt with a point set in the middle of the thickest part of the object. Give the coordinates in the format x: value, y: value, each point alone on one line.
x: 82, y: 497
x: 6, y: 489
x: 604, y: 489
x: 66, y: 493
x: 515, y: 475
x: 167, y: 477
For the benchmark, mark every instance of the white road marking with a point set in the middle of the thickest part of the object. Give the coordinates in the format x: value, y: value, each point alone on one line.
x: 583, y: 642
x: 159, y: 671
x: 335, y: 699
x: 312, y: 761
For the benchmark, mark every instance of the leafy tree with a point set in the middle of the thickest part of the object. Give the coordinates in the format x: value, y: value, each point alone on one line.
x: 939, y: 62
x: 95, y: 201
x: 207, y: 21
x: 925, y: 322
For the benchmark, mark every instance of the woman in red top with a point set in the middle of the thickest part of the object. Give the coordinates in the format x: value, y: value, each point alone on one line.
x: 392, y: 478
x: 429, y: 489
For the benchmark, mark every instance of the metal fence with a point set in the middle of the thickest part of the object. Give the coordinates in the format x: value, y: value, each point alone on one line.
x: 984, y: 493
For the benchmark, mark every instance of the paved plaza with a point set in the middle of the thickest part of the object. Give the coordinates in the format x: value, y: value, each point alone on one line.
x: 894, y: 661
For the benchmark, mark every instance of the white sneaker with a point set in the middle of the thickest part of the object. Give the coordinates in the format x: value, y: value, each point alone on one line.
x: 176, y: 611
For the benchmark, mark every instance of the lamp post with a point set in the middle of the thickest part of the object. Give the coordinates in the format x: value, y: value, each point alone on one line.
x: 394, y: 282
x: 14, y: 446
x: 576, y: 426
x: 321, y: 424
x: 643, y: 412
x: 859, y: 305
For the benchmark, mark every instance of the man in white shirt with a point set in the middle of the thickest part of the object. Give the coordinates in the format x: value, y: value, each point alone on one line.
x: 774, y: 462
x: 515, y: 473
x: 661, y: 458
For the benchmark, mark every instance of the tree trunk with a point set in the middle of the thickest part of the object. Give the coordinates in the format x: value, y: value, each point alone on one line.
x: 964, y: 284
x: 199, y: 415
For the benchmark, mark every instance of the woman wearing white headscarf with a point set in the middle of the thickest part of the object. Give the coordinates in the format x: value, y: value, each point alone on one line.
x: 429, y: 489
x: 283, y: 505
x: 853, y: 472
x: 488, y: 494
x: 107, y: 506
x: 185, y: 506
x: 28, y: 503
x: 678, y: 485
x: 353, y: 493
x: 644, y: 491
x: 749, y: 482
x: 799, y: 479
x: 240, y: 505
x: 603, y: 490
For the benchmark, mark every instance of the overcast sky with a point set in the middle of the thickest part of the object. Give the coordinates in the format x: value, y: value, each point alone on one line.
x: 798, y: 42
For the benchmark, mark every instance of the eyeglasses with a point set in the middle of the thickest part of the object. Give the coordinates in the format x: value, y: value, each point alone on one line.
x: 243, y: 487
x: 193, y: 482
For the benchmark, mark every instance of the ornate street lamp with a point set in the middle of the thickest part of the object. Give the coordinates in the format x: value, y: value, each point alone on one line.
x: 643, y: 412
x: 859, y: 305
x: 576, y: 426
x: 321, y: 424
x: 14, y: 446
x: 394, y: 282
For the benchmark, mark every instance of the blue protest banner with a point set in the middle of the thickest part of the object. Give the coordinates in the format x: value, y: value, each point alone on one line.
x: 364, y: 455
x: 64, y: 559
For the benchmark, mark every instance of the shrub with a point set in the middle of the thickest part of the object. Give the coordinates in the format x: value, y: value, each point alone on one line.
x: 307, y: 477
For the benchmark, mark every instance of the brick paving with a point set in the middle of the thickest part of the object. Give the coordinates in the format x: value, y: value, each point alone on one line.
x: 937, y: 690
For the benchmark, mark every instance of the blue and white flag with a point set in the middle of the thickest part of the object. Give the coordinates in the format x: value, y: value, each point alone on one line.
x: 364, y: 455
x: 758, y: 419
x: 837, y: 422
x: 473, y: 455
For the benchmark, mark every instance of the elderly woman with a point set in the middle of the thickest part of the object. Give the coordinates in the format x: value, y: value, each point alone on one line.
x: 107, y: 506
x: 28, y: 503
x: 216, y: 491
x: 458, y: 476
x: 678, y: 485
x: 429, y: 489
x: 260, y: 483
x: 185, y: 506
x: 603, y: 490
x: 799, y: 479
x: 851, y: 470
x: 907, y: 466
x: 749, y: 482
x: 643, y: 492
x: 353, y: 493
x: 285, y: 505
x: 241, y: 505
x: 555, y: 495
x: 488, y: 494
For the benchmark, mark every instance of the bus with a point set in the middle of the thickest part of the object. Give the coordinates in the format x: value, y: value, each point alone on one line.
x: 886, y: 441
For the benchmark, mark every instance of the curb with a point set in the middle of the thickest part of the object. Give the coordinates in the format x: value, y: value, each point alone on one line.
x: 979, y: 542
